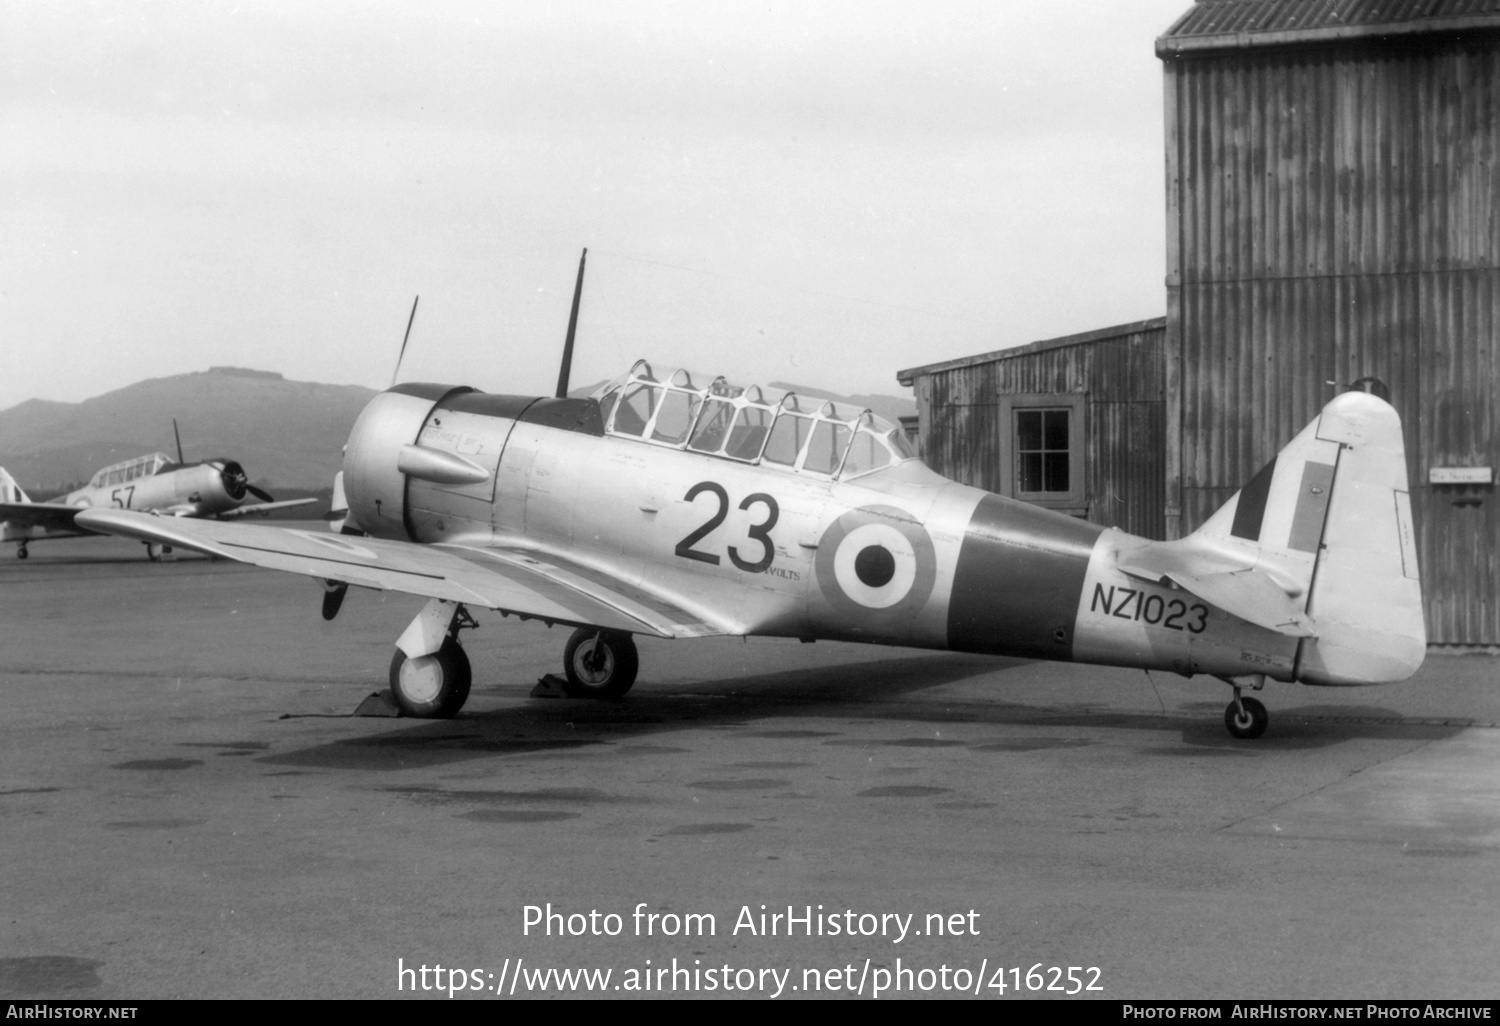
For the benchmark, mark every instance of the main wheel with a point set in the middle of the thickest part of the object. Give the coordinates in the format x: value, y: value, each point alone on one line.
x: 1249, y: 724
x: 600, y: 664
x: 432, y: 687
x: 21, y: 552
x: 153, y: 552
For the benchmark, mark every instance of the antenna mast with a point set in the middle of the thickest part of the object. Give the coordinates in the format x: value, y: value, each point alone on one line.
x: 405, y: 338
x: 567, y: 360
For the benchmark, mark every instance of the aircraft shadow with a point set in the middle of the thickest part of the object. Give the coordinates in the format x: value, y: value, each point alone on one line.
x: 888, y: 690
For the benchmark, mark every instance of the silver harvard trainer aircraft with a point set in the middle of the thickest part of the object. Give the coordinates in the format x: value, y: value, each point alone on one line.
x: 210, y: 488
x: 678, y: 505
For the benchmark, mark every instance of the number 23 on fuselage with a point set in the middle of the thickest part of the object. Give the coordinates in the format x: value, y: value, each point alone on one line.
x: 679, y: 506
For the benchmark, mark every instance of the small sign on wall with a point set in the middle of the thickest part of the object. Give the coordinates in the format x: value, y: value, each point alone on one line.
x: 1460, y: 475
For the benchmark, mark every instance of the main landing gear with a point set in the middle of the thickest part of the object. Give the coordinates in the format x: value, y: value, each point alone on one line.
x: 1246, y: 718
x: 155, y: 551
x: 430, y: 674
x: 21, y: 552
x: 432, y: 686
x: 600, y: 664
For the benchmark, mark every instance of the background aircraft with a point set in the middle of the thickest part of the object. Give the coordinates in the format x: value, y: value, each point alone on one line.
x: 679, y: 505
x: 210, y: 488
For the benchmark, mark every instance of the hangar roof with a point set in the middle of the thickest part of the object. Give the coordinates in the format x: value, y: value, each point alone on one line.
x: 1245, y: 24
x: 906, y: 377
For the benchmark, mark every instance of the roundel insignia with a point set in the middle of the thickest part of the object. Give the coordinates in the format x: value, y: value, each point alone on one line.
x: 876, y: 559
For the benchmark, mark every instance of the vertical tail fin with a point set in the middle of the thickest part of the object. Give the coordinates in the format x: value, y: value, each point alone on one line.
x: 9, y: 490
x: 1329, y: 520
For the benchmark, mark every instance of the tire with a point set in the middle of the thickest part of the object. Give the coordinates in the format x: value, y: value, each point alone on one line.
x: 599, y: 664
x: 1250, y: 724
x: 153, y: 552
x: 431, y: 687
x: 21, y: 552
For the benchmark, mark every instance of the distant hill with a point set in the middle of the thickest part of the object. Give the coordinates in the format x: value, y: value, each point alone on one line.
x: 289, y: 434
x: 286, y: 434
x: 891, y: 407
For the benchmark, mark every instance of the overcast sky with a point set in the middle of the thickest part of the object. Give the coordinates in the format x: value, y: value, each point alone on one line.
x: 811, y: 191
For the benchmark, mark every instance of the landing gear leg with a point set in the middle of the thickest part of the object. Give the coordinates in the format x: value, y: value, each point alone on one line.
x: 430, y: 673
x: 1246, y: 718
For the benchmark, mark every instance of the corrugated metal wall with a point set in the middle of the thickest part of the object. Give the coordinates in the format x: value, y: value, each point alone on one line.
x: 1121, y: 378
x: 1336, y: 215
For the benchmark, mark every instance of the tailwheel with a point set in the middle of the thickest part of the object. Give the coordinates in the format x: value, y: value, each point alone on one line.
x: 1246, y: 718
x: 599, y: 664
x: 434, y: 686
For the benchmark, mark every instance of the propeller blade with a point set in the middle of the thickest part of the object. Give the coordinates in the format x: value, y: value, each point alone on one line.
x: 259, y: 493
x: 333, y: 598
x: 234, y: 477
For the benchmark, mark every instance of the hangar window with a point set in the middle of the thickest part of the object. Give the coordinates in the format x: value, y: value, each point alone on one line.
x: 1042, y: 450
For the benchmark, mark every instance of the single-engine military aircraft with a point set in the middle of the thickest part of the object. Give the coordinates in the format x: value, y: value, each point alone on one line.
x: 210, y: 488
x: 679, y: 505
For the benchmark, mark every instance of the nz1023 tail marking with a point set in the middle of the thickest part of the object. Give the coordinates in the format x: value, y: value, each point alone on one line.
x: 675, y: 505
x: 1151, y: 608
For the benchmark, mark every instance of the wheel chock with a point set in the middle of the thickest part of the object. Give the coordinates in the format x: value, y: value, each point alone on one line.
x: 380, y: 703
x: 550, y: 686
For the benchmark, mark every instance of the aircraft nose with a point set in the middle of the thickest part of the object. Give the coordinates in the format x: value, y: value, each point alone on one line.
x: 234, y: 478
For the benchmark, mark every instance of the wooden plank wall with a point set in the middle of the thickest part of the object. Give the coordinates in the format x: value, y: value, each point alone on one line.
x: 1122, y: 380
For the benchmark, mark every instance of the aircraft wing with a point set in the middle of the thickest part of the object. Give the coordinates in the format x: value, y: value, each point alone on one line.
x: 262, y: 508
x: 1247, y: 593
x: 508, y: 579
x: 52, y: 516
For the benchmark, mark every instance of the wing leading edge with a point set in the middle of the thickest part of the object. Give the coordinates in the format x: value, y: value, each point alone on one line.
x: 510, y: 580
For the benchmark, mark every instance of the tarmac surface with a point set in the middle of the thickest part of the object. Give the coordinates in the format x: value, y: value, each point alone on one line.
x: 187, y: 809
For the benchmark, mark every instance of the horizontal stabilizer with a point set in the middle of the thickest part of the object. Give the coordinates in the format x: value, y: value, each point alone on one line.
x: 52, y: 516
x: 1248, y: 594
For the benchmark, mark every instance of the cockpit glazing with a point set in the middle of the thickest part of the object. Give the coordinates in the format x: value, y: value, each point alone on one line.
x: 805, y: 435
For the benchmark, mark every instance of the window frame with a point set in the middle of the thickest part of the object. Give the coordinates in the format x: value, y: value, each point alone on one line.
x: 1073, y: 501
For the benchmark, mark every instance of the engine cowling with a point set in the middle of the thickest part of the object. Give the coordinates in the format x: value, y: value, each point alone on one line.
x: 206, y: 487
x: 373, y: 482
x: 423, y: 460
